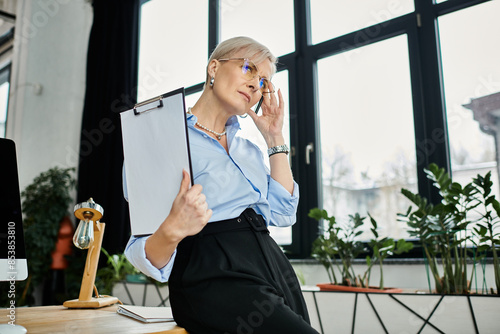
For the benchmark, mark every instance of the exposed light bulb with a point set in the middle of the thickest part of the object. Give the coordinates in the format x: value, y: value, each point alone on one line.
x: 84, y: 234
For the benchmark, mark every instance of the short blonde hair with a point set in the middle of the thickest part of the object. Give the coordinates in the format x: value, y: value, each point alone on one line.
x: 253, y: 49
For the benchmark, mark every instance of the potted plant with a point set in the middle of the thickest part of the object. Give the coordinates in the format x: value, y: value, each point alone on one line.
x: 45, y: 207
x: 117, y: 269
x: 460, y: 233
x: 121, y: 279
x: 487, y: 228
x: 462, y: 228
x: 340, y: 245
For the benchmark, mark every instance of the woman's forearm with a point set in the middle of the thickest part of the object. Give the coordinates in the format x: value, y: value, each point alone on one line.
x: 188, y: 215
x: 280, y: 167
x: 159, y: 249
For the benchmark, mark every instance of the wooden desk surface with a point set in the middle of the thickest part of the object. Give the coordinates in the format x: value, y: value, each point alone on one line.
x: 59, y: 319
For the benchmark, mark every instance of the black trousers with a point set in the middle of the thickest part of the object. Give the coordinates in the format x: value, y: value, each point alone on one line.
x: 233, y: 278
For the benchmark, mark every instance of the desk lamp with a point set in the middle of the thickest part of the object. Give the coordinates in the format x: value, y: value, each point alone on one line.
x: 89, y: 235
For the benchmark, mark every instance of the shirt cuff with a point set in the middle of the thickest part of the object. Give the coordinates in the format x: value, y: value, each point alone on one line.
x: 136, y: 254
x: 280, y: 199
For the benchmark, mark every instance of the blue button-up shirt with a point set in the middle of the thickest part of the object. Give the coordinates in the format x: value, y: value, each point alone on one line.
x: 231, y: 183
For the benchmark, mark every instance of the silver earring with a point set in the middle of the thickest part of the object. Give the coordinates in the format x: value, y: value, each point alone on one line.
x: 212, y: 82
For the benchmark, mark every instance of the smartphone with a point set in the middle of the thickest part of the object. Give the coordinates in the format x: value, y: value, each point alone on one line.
x: 259, y: 104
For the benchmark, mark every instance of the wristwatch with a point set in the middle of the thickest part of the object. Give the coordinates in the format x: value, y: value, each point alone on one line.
x: 278, y: 149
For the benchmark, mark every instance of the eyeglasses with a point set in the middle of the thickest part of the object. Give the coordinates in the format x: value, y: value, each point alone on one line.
x: 250, y: 71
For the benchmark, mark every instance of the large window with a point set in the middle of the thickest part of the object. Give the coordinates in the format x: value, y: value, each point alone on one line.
x: 367, y: 138
x: 4, y: 98
x: 255, y: 19
x: 7, y: 22
x: 173, y: 46
x: 471, y: 71
x: 331, y: 19
x: 375, y: 91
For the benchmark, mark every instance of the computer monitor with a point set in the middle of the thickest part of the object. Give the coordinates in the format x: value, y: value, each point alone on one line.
x: 13, y: 262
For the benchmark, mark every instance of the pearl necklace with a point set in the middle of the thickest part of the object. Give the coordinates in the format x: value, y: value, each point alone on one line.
x: 217, y: 134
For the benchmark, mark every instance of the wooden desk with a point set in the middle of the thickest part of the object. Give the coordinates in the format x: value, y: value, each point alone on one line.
x: 58, y: 319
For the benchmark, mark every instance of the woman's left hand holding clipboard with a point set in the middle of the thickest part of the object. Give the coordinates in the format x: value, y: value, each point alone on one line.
x: 188, y: 216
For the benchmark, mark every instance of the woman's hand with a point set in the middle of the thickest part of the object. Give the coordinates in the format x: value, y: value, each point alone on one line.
x: 188, y: 216
x: 189, y: 213
x: 270, y: 123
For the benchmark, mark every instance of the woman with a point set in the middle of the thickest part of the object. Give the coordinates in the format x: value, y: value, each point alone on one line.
x: 225, y: 273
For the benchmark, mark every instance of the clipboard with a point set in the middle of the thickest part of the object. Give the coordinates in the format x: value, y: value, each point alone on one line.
x: 155, y: 149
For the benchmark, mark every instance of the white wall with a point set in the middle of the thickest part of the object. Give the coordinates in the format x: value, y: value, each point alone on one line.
x: 48, y: 83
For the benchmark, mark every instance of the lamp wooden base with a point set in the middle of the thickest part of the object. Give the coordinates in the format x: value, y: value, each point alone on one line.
x: 93, y: 303
x: 86, y: 300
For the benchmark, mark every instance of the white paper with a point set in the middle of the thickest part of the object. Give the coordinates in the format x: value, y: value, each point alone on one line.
x: 155, y: 148
x: 146, y: 313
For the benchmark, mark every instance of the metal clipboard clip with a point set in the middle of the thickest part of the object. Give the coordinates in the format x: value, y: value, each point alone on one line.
x: 152, y: 100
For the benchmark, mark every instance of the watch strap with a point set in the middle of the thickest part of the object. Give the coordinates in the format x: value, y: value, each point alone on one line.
x: 278, y: 149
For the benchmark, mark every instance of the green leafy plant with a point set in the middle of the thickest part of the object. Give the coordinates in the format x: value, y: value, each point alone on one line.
x: 45, y: 203
x: 447, y: 230
x: 340, y: 245
x: 381, y: 249
x: 116, y: 270
x: 488, y: 227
